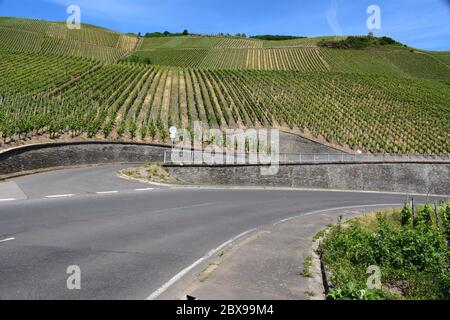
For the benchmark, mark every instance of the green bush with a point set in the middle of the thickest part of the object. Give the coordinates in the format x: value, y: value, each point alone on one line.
x: 406, y: 215
x: 414, y: 260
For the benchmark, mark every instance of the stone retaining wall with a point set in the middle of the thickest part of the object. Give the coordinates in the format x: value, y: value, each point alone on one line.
x: 433, y: 178
x: 42, y: 156
x: 396, y: 177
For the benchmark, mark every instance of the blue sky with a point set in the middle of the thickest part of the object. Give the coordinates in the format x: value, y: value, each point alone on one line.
x: 423, y: 24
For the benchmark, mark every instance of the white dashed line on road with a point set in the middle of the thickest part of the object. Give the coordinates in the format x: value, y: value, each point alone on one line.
x: 60, y: 196
x: 145, y: 189
x: 9, y: 239
x: 9, y: 199
x: 107, y: 192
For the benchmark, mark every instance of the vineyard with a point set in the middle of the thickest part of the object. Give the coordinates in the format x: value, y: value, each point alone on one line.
x: 34, y: 36
x: 133, y: 101
x: 395, y: 62
x: 192, y: 42
x: 231, y: 53
x: 224, y: 42
x: 303, y: 59
x: 57, y: 82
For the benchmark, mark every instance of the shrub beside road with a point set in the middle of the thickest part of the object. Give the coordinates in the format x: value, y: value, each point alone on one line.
x: 409, y: 246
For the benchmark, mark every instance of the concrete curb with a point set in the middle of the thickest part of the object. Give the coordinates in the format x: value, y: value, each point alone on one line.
x: 316, y: 283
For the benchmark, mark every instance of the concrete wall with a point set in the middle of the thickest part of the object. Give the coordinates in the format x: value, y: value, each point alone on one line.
x: 392, y: 177
x: 291, y: 143
x: 53, y: 155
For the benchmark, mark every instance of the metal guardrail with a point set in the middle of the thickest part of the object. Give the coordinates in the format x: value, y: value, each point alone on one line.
x: 204, y: 157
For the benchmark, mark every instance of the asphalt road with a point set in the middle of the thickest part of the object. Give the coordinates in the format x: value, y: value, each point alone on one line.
x: 129, y: 238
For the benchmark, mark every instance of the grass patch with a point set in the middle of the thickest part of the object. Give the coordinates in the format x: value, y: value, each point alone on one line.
x: 307, y: 264
x: 150, y: 172
x: 410, y: 249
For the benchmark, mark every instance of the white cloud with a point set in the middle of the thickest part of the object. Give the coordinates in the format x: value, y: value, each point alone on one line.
x: 333, y: 19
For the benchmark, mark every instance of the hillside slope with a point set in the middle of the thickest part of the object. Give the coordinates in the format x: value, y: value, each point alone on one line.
x: 297, y: 54
x: 377, y: 99
x: 43, y: 37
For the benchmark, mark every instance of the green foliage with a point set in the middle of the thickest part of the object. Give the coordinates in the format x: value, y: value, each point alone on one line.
x: 358, y: 42
x: 121, y: 128
x: 414, y: 260
x: 406, y: 215
x: 165, y: 34
x: 153, y: 130
x: 446, y: 220
x: 356, y: 291
x: 306, y: 271
x: 424, y: 216
x: 143, y: 131
x: 276, y: 37
x: 137, y: 59
x: 132, y: 127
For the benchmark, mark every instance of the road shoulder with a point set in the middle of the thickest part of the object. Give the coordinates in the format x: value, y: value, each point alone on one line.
x: 266, y: 264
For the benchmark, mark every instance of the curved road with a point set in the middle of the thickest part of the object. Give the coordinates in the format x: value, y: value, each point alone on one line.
x: 129, y: 238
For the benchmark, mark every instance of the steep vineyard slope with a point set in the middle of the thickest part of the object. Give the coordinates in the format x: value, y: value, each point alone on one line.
x: 42, y: 37
x: 55, y: 84
x: 134, y: 101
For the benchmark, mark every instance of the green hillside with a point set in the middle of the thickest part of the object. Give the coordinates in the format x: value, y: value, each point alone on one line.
x: 296, y: 54
x: 86, y: 84
x: 43, y: 37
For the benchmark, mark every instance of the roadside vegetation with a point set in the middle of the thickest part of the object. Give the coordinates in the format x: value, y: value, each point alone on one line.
x: 307, y: 265
x: 410, y: 246
x: 152, y: 172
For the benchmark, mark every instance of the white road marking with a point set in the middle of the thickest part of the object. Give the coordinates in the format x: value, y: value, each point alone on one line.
x: 183, y: 272
x: 337, y: 209
x: 107, y: 192
x: 9, y: 239
x: 145, y: 189
x: 60, y: 196
x: 352, y: 207
x: 9, y: 199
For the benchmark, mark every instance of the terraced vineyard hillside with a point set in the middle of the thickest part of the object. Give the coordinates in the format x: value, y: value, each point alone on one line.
x: 377, y: 100
x: 43, y: 37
